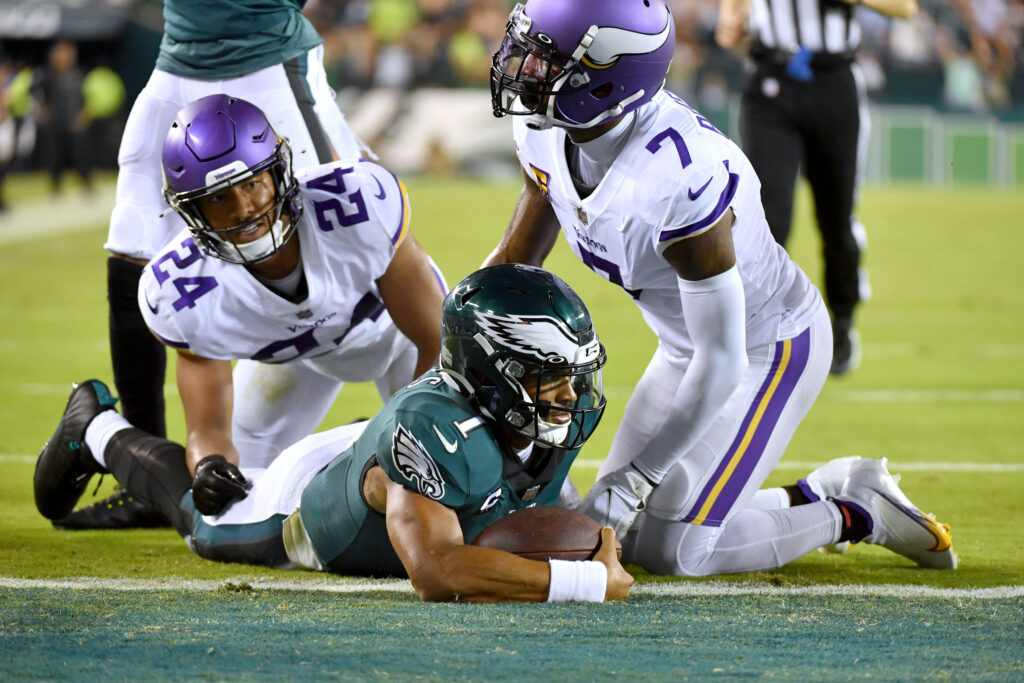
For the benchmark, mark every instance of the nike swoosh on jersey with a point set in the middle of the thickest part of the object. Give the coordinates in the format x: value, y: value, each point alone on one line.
x: 450, y: 446
x: 382, y: 194
x: 694, y: 195
x: 153, y: 308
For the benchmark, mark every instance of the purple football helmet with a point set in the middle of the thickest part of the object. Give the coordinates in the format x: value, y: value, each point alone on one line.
x: 579, y: 63
x: 217, y: 142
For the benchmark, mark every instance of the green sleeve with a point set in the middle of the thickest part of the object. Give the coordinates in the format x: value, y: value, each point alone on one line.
x: 424, y: 451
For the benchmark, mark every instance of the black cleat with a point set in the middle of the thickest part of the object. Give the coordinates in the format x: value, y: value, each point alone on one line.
x: 119, y: 511
x: 65, y: 464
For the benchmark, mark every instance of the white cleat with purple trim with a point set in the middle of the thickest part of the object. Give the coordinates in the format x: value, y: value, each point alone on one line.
x: 896, y: 523
x: 826, y: 482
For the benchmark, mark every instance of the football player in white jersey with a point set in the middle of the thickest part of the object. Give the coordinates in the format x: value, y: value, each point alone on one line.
x: 309, y: 278
x: 654, y: 199
x: 263, y: 50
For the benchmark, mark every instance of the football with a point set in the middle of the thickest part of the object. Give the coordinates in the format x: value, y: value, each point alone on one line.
x: 545, y: 533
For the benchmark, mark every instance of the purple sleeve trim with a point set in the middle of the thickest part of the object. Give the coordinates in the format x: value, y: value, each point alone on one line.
x: 402, y: 223
x: 168, y: 342
x: 723, y: 203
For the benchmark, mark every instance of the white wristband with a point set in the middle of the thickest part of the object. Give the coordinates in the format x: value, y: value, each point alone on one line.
x: 577, y: 581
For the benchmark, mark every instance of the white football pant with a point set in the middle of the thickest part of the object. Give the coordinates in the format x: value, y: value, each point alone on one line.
x: 699, y: 520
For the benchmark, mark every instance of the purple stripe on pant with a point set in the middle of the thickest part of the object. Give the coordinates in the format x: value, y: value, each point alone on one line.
x: 737, y: 480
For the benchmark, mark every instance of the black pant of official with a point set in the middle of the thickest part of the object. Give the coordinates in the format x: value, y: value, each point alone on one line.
x: 787, y: 124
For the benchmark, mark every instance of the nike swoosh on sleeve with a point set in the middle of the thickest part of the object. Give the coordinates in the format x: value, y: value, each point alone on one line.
x: 382, y: 194
x: 450, y: 446
x: 694, y: 195
x: 153, y: 308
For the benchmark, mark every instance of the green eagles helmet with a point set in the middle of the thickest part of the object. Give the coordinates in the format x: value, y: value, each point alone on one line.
x: 506, y: 323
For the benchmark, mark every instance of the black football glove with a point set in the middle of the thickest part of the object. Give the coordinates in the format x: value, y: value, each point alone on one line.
x: 217, y: 485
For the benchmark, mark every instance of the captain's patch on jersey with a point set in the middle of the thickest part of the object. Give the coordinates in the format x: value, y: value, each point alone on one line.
x: 415, y: 464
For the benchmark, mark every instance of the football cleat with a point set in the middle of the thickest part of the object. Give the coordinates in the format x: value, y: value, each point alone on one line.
x: 827, y: 482
x: 896, y: 523
x: 118, y: 511
x: 65, y: 464
x: 617, y: 499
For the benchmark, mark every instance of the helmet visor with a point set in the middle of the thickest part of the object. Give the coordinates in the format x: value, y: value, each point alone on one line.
x: 565, y: 402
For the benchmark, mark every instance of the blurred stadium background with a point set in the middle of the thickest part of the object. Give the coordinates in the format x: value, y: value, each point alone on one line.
x: 947, y: 87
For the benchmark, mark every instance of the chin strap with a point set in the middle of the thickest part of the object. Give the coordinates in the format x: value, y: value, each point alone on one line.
x: 257, y: 250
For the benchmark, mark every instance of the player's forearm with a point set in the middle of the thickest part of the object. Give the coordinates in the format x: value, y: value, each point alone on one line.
x: 531, y: 234
x: 475, y: 574
x: 201, y: 444
x: 715, y: 311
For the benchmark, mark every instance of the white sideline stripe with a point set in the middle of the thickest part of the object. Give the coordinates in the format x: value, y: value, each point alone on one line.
x: 925, y: 395
x: 674, y: 589
x: 894, y: 467
x: 841, y: 395
x: 53, y: 216
x: 981, y: 467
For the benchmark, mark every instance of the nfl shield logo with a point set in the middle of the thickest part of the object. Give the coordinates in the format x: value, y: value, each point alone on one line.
x: 581, y: 214
x: 304, y: 313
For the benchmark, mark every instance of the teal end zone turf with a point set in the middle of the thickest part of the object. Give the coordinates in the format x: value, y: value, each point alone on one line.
x: 287, y: 635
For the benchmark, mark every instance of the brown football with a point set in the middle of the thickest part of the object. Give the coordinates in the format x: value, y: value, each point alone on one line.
x: 545, y: 532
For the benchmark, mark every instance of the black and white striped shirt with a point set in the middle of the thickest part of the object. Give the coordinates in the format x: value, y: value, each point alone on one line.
x: 821, y: 26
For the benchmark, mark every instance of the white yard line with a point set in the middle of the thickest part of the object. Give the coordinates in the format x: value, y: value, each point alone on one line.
x: 52, y: 216
x: 841, y: 395
x: 979, y: 467
x: 926, y: 395
x: 673, y: 589
x: 894, y: 466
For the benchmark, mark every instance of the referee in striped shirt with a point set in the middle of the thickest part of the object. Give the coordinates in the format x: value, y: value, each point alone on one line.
x: 804, y: 107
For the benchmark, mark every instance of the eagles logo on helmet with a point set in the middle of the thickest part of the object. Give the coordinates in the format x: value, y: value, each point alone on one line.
x: 550, y: 337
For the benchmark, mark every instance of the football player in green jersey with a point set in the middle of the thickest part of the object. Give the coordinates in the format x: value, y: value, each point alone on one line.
x: 494, y: 428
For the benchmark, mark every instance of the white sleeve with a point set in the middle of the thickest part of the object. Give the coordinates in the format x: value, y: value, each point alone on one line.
x: 156, y: 311
x: 699, y: 199
x: 715, y: 314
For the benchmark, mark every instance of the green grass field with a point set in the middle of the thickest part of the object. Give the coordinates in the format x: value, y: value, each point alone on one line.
x: 940, y: 392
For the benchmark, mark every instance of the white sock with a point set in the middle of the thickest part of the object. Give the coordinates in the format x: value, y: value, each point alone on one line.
x: 101, y: 430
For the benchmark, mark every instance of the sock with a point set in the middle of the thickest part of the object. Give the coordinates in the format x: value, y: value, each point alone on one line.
x: 100, y: 430
x: 856, y: 522
x: 800, y: 495
x: 138, y: 359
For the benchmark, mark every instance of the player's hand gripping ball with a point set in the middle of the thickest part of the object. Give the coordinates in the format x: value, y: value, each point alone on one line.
x: 545, y: 533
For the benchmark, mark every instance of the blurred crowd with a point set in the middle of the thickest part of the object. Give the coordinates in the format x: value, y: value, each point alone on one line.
x: 58, y: 116
x: 962, y: 52
x: 962, y: 55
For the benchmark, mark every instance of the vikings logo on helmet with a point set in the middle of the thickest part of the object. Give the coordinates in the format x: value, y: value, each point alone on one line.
x: 580, y: 63
x: 414, y: 462
x: 611, y: 43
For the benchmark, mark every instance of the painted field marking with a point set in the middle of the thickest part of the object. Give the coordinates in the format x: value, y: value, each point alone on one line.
x: 672, y: 589
x: 52, y: 216
x: 847, y: 395
x: 979, y: 467
x: 926, y: 395
x: 894, y: 467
